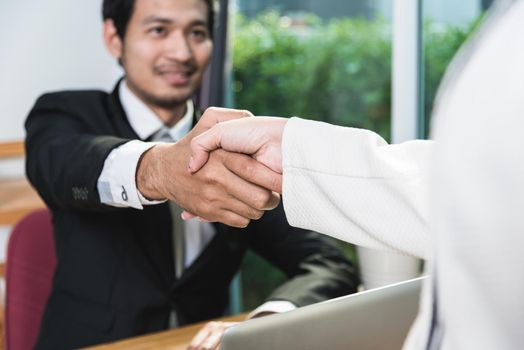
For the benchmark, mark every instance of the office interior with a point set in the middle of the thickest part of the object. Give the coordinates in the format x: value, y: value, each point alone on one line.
x: 373, y: 64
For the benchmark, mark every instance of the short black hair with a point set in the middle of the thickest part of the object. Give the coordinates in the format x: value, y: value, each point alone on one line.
x: 120, y: 11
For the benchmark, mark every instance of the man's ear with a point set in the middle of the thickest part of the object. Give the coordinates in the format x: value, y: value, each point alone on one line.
x: 112, y: 40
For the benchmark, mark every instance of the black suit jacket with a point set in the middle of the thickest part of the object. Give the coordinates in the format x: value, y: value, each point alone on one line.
x: 115, y: 275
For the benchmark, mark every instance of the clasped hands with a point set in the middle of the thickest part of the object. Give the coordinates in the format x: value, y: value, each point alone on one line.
x: 227, y: 169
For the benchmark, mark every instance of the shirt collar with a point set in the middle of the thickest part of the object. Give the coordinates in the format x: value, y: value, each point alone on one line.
x: 145, y: 122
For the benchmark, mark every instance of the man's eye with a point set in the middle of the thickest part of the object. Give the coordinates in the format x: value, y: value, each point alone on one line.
x: 158, y: 31
x: 199, y: 34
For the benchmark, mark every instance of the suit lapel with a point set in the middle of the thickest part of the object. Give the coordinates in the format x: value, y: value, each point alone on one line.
x: 118, y: 115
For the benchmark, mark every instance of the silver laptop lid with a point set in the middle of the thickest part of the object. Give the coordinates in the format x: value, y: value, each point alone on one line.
x: 375, y: 320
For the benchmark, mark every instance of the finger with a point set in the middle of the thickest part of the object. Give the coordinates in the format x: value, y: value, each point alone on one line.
x: 233, y: 219
x: 234, y: 213
x: 201, y: 145
x: 254, y: 172
x: 226, y: 326
x: 187, y: 215
x: 205, y: 220
x: 274, y: 201
x: 254, y: 197
x: 213, y: 115
x: 200, y: 336
x: 230, y: 214
x: 247, y: 199
x: 213, y: 340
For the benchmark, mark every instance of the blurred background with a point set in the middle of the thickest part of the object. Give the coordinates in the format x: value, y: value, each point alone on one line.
x: 325, y: 60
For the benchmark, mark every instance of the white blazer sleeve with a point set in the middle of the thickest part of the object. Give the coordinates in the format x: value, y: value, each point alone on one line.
x: 351, y: 184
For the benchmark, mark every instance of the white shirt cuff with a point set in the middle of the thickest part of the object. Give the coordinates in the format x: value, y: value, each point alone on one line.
x: 274, y: 306
x: 117, y: 182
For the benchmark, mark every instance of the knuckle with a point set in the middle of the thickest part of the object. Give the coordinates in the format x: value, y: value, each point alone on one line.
x: 258, y: 214
x: 246, y: 113
x: 210, y: 110
x: 206, y: 177
x: 247, y: 168
x: 276, y: 182
x: 209, y: 177
x: 205, y: 208
x: 262, y: 199
x: 244, y: 222
x: 252, y: 213
x: 241, y: 222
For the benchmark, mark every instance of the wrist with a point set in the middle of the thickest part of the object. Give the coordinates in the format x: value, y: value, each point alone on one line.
x: 148, y: 172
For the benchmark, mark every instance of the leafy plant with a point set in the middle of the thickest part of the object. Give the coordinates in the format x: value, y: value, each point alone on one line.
x: 336, y: 71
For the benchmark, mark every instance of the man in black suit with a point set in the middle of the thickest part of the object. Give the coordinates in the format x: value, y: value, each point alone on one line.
x: 126, y: 264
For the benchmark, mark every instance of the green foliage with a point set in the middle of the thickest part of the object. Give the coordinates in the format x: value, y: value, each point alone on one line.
x: 337, y: 71
x: 259, y: 279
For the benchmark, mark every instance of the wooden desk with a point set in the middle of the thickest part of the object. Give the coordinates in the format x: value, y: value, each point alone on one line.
x: 12, y: 149
x: 175, y: 339
x: 17, y: 199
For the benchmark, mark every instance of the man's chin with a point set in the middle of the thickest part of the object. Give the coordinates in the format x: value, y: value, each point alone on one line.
x: 163, y: 95
x: 180, y: 93
x: 171, y: 100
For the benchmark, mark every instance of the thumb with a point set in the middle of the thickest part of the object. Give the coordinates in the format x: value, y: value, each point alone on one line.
x: 201, y: 145
x: 214, y: 115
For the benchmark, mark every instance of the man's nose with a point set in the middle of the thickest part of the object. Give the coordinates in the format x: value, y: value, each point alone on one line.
x: 179, y: 48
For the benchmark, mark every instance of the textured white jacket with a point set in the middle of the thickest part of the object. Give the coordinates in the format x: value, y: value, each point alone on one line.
x: 458, y: 201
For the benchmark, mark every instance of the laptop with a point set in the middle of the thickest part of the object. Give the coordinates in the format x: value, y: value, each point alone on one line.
x: 377, y: 319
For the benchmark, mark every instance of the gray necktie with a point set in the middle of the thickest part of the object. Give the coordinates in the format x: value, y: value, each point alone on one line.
x: 178, y: 226
x: 178, y: 229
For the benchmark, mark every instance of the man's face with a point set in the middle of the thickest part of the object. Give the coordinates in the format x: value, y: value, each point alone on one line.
x: 166, y: 49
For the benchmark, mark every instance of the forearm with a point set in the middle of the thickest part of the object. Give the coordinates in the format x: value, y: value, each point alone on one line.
x: 65, y: 170
x: 65, y: 153
x: 150, y: 173
x: 359, y: 188
x: 117, y: 184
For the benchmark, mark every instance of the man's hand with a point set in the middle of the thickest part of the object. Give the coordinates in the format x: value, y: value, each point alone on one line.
x: 209, y: 337
x: 218, y: 192
x: 259, y: 137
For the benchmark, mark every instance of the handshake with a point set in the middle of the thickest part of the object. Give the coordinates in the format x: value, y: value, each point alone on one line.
x: 227, y: 169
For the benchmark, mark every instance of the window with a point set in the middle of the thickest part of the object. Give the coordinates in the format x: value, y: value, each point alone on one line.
x: 327, y: 61
x: 332, y: 61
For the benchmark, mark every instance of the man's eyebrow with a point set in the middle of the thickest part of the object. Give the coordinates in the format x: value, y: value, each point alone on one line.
x: 165, y: 20
x: 199, y: 22
x: 157, y: 19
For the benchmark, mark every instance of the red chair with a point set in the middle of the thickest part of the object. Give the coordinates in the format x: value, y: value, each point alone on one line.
x: 31, y: 262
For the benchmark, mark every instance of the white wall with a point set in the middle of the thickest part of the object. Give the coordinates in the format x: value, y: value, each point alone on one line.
x: 48, y: 45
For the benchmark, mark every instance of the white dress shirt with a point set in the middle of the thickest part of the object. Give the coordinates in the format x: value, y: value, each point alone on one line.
x: 458, y: 201
x: 119, y: 173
